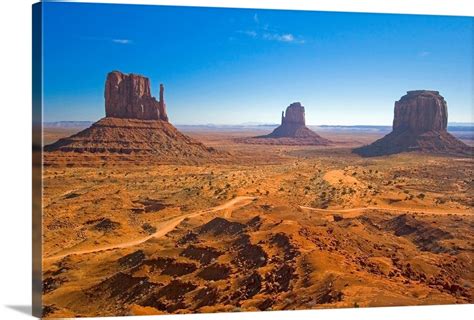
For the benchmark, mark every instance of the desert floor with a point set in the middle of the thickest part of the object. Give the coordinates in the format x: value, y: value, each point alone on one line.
x: 273, y: 228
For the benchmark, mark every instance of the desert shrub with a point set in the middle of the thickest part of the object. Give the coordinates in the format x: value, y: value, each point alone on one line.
x: 148, y: 228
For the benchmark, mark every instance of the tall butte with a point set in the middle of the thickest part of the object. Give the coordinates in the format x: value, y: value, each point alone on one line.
x: 419, y: 124
x: 292, y: 131
x: 135, y: 123
x: 129, y: 97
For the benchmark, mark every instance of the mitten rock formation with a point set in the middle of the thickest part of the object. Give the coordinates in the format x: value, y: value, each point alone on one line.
x: 135, y: 124
x: 129, y: 97
x: 419, y: 124
x: 292, y: 131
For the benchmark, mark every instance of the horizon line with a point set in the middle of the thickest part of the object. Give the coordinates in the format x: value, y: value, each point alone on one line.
x: 261, y: 124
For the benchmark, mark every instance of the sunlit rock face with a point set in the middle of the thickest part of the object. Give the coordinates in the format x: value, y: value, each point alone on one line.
x: 420, y: 124
x: 135, y: 124
x: 293, y: 124
x: 421, y: 111
x: 129, y: 96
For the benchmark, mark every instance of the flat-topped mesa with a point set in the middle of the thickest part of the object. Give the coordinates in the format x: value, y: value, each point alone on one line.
x: 421, y: 111
x: 294, y: 114
x: 419, y: 124
x: 128, y: 96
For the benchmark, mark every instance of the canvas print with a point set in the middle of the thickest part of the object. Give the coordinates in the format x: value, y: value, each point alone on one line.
x: 199, y: 160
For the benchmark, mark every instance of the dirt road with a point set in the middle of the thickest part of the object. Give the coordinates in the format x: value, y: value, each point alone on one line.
x: 163, y: 228
x: 361, y: 209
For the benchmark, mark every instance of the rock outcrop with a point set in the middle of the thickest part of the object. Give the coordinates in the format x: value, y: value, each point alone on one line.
x: 294, y: 115
x: 293, y: 123
x: 135, y: 125
x: 421, y: 111
x: 128, y: 96
x: 132, y: 136
x: 292, y: 131
x: 419, y: 124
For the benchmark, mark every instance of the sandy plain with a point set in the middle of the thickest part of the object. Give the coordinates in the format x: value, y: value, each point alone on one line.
x: 270, y: 228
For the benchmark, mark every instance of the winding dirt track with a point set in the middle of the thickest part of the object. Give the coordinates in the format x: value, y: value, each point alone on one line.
x: 361, y: 209
x: 163, y: 228
x: 238, y: 202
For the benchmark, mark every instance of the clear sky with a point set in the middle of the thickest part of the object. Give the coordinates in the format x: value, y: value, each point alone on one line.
x: 231, y: 66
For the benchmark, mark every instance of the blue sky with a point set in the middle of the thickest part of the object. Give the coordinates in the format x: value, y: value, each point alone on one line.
x: 230, y: 66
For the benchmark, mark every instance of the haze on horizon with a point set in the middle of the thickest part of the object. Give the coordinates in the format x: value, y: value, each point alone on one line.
x: 233, y: 66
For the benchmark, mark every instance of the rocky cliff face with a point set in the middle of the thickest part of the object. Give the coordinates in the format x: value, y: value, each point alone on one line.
x: 421, y: 111
x: 294, y: 115
x: 129, y: 97
x: 293, y: 124
x: 292, y: 131
x: 135, y: 128
x: 419, y: 124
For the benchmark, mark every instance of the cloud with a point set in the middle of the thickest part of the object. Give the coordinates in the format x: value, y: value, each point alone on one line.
x: 286, y: 37
x: 424, y: 54
x: 283, y: 37
x: 250, y: 33
x: 255, y: 18
x: 107, y: 39
x: 122, y: 41
x: 263, y: 31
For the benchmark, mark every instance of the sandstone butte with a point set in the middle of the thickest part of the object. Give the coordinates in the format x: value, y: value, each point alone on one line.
x: 135, y: 123
x: 419, y: 124
x: 292, y: 130
x: 129, y: 97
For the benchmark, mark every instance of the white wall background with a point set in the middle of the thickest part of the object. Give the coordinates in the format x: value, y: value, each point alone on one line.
x: 15, y: 156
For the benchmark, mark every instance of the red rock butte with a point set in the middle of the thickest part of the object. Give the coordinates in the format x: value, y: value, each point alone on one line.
x: 135, y: 123
x: 292, y: 131
x: 419, y: 124
x: 129, y: 97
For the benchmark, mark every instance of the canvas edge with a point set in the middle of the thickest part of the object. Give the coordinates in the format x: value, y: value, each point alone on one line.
x: 37, y: 147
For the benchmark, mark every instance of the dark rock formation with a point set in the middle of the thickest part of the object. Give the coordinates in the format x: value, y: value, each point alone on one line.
x: 421, y: 111
x: 129, y: 96
x: 294, y: 115
x: 419, y: 124
x: 293, y: 123
x: 292, y: 131
x: 135, y: 124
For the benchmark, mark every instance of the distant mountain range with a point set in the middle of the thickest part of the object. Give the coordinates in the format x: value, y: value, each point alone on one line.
x: 68, y: 124
x: 452, y: 126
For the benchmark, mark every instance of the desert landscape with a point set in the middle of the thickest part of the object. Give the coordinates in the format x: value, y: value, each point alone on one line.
x: 143, y: 217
